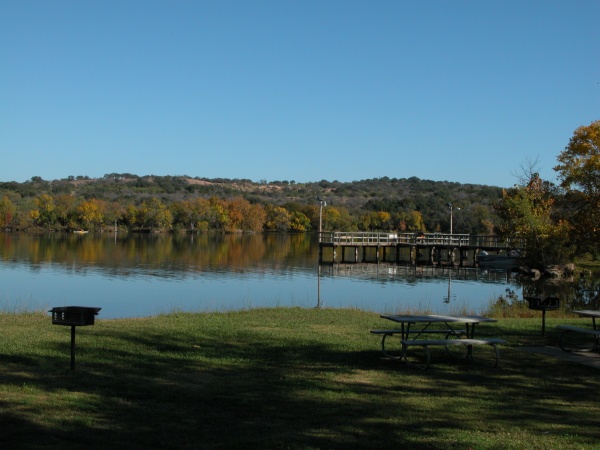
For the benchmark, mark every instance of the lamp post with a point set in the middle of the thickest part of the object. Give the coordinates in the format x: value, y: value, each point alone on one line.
x: 322, y: 203
x: 452, y: 208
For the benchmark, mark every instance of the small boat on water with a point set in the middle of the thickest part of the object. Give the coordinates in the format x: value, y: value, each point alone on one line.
x: 81, y: 231
x: 505, y: 261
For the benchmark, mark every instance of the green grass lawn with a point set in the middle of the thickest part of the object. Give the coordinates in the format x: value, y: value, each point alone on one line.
x: 285, y: 378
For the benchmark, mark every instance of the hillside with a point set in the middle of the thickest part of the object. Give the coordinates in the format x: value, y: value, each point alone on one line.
x: 429, y: 198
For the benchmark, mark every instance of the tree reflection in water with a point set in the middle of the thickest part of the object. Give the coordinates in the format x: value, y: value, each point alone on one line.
x: 141, y: 274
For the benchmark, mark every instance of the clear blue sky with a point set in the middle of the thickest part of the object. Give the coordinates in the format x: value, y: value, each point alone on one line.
x: 465, y: 91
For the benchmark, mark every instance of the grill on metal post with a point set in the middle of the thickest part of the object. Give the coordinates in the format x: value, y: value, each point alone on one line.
x: 547, y: 304
x: 73, y: 316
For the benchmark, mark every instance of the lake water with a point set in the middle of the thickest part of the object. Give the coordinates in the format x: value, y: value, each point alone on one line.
x: 137, y: 275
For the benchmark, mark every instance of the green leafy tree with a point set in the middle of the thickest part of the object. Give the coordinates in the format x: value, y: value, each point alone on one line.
x: 526, y: 212
x: 477, y: 219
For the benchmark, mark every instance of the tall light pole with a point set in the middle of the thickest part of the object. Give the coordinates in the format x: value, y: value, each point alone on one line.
x: 452, y: 208
x: 322, y: 203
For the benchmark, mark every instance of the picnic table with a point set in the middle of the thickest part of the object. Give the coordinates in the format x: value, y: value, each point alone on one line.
x: 457, y: 330
x: 566, y: 341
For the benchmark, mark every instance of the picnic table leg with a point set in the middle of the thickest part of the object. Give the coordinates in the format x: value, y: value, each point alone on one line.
x: 385, y: 353
x: 422, y: 366
x: 470, y: 334
x: 470, y: 330
x: 72, y: 347
x: 574, y: 346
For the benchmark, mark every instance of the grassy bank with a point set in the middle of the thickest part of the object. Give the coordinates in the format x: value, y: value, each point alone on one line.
x: 281, y: 378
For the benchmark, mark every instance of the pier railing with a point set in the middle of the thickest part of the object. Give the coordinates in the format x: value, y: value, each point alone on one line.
x: 349, y: 238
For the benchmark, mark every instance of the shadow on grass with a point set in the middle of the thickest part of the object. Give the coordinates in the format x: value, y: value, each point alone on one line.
x: 194, y: 390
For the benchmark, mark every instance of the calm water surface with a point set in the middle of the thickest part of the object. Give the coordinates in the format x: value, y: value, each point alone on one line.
x: 134, y: 275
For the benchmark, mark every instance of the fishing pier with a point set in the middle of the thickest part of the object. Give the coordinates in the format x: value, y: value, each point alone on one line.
x: 409, y: 248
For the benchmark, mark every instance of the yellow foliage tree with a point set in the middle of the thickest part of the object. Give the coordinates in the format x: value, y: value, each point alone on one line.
x: 579, y: 172
x: 91, y: 213
x: 45, y: 213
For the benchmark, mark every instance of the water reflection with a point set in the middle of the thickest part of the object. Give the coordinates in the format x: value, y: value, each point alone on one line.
x: 133, y: 275
x: 161, y: 255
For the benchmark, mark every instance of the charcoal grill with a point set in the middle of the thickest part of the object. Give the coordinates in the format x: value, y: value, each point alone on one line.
x: 73, y: 316
x: 546, y: 304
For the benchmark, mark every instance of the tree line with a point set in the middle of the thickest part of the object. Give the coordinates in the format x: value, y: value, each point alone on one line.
x: 557, y: 221
x: 183, y: 203
x: 66, y: 212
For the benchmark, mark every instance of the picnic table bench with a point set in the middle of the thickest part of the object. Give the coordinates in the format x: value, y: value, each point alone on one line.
x: 565, y: 341
x: 453, y: 337
x: 385, y: 333
x: 469, y: 343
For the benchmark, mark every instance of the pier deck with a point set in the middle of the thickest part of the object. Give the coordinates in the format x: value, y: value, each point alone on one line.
x: 440, y: 248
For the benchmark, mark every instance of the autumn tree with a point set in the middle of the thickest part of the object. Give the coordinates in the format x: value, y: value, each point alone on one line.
x: 114, y: 212
x: 376, y: 221
x: 91, y: 213
x: 410, y: 221
x: 200, y: 213
x: 312, y: 212
x: 65, y: 211
x: 579, y: 173
x: 337, y: 218
x: 180, y: 211
x: 237, y: 210
x: 278, y: 218
x: 155, y: 214
x: 255, y: 218
x: 7, y: 212
x: 299, y: 222
x: 131, y: 216
x: 44, y: 214
x: 218, y: 214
